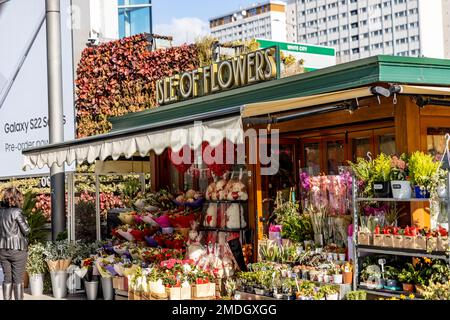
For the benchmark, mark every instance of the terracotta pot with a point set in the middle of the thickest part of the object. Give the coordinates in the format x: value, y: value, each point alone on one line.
x: 348, y: 277
x: 26, y: 280
x: 408, y: 287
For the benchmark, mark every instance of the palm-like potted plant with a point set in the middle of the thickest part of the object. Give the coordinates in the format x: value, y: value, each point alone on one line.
x: 36, y: 268
x: 401, y: 187
x: 422, y: 167
x: 382, y: 172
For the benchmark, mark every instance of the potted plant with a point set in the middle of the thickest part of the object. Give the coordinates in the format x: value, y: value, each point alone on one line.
x: 364, y: 171
x: 401, y: 187
x: 408, y: 277
x: 422, y: 167
x: 391, y: 276
x: 356, y: 295
x: 382, y: 171
x: 331, y: 292
x: 306, y: 290
x: 36, y: 268
x: 337, y: 275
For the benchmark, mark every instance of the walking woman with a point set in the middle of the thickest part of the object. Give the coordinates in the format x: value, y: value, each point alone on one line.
x: 13, y: 243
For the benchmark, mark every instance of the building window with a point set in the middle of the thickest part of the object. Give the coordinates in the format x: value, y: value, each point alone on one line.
x: 354, y: 25
x: 355, y: 50
x: 135, y: 16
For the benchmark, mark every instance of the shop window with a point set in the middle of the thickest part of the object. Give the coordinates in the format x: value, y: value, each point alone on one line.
x: 311, y: 153
x: 360, y: 147
x: 335, y: 156
x: 436, y: 141
x: 387, y: 144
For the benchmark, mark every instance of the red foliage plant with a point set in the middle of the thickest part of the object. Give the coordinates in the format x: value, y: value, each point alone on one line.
x: 118, y: 77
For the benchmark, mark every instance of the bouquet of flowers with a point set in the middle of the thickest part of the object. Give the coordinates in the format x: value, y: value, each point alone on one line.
x: 182, y: 218
x: 105, y: 266
x: 59, y: 254
x: 86, y: 271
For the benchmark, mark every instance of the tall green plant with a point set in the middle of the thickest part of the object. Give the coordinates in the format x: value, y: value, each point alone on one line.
x: 422, y: 167
x: 364, y: 172
x: 382, y: 168
x: 36, y: 263
x: 35, y: 218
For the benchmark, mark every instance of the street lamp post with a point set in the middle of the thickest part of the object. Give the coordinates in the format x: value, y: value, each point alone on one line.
x: 55, y: 112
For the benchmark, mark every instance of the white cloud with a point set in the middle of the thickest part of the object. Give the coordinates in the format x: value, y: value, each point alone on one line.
x: 183, y: 30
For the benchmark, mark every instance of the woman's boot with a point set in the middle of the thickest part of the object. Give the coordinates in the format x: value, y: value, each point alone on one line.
x: 7, y: 291
x: 18, y: 291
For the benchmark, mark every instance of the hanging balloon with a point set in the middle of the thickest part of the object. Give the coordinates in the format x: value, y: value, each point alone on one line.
x: 215, y: 158
x: 181, y: 162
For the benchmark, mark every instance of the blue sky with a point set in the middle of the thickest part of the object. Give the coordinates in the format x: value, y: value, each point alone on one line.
x: 187, y: 19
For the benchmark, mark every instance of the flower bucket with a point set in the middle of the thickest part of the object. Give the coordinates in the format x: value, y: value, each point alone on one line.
x: 37, y: 284
x: 421, y: 194
x: 91, y: 289
x: 59, y: 284
x: 107, y: 288
x: 401, y: 189
x: 442, y: 191
x: 382, y: 189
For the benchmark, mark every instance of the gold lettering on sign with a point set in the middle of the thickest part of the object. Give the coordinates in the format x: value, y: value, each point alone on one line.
x: 186, y: 85
x: 224, y: 75
x: 238, y: 71
x: 214, y: 85
x: 250, y: 64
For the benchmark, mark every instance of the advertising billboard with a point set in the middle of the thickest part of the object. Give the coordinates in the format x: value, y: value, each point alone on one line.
x: 23, y: 81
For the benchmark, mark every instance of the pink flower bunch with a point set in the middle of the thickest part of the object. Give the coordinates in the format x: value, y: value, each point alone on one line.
x: 305, y: 181
x: 398, y: 163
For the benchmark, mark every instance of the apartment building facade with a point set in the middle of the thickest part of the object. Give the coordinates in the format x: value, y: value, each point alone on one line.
x: 363, y: 28
x: 264, y: 20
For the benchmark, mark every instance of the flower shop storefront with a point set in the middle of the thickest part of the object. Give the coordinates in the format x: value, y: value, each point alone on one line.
x: 203, y: 223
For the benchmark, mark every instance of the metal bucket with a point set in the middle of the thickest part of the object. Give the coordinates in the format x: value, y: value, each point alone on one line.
x: 107, y: 289
x: 91, y: 289
x: 37, y: 284
x: 59, y: 284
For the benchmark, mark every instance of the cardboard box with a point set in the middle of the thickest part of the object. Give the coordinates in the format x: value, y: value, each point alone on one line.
x: 398, y: 241
x: 204, y: 290
x: 120, y: 283
x: 388, y: 240
x: 409, y: 242
x: 421, y: 243
x: 180, y: 293
x: 432, y: 243
x: 364, y: 238
x: 442, y: 244
x: 378, y: 240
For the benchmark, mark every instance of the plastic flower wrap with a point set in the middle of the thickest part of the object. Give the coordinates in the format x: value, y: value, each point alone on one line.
x: 105, y: 266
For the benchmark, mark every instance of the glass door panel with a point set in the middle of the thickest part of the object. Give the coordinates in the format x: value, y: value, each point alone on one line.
x: 335, y: 151
x: 387, y: 144
x: 311, y: 161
